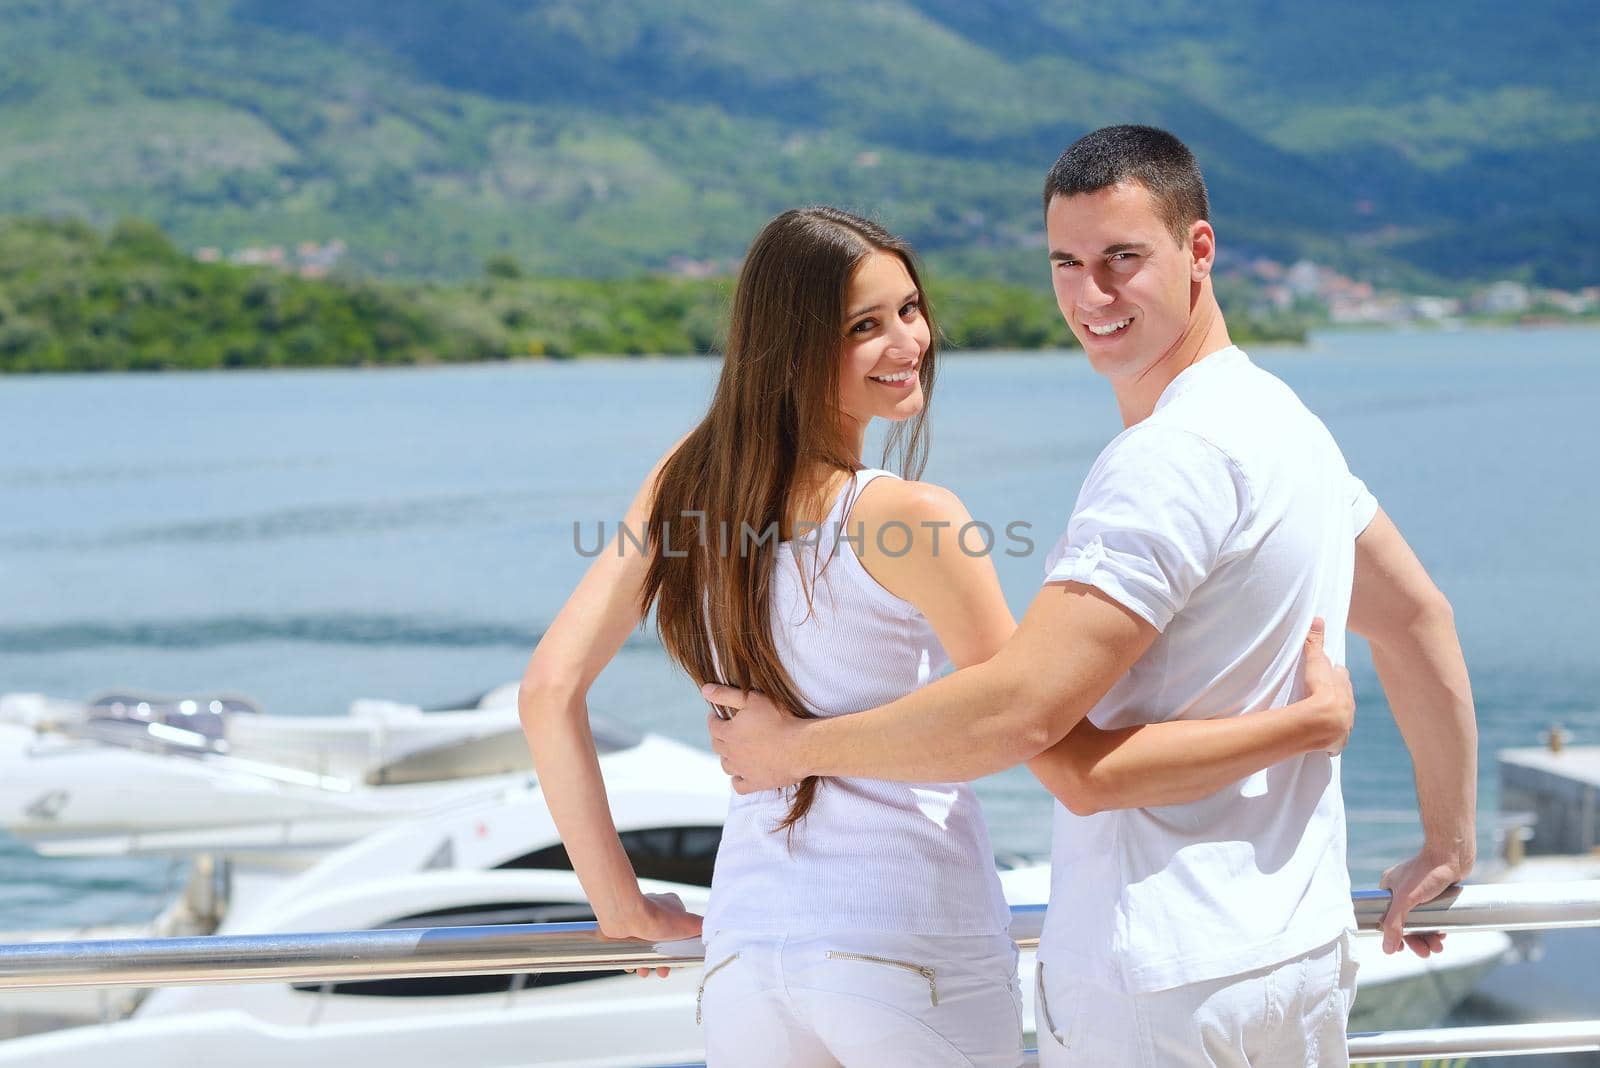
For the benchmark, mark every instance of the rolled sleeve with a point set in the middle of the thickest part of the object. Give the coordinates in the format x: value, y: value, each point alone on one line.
x: 1154, y: 518
x: 1363, y: 505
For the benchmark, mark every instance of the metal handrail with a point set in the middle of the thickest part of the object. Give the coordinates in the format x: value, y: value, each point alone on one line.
x: 568, y: 947
x: 1464, y: 1042
x: 1577, y: 1036
x: 1492, y: 907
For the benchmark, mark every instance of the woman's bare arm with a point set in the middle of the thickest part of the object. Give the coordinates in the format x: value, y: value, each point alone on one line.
x: 553, y: 703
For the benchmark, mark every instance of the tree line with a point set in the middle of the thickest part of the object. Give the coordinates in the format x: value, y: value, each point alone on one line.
x: 75, y: 298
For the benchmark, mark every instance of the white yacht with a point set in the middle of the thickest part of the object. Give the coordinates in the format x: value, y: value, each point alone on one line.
x: 495, y: 862
x: 375, y: 733
x: 501, y: 861
x: 126, y: 775
x: 253, y: 799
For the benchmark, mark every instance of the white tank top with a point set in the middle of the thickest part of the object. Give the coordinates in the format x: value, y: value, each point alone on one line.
x: 870, y: 855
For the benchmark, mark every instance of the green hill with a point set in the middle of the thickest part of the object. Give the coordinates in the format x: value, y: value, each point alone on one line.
x: 614, y: 137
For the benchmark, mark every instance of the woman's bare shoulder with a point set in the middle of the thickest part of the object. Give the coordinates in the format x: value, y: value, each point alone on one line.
x: 895, y: 500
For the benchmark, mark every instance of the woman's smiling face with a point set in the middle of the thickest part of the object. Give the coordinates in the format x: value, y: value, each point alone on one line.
x: 886, y: 337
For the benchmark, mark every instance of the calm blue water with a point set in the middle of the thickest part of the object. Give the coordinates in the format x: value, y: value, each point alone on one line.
x: 311, y: 537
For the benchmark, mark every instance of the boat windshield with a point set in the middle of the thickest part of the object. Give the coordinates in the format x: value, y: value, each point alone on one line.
x: 672, y: 854
x: 167, y: 724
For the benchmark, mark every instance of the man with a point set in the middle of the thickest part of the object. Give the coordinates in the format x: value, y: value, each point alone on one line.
x: 1206, y: 538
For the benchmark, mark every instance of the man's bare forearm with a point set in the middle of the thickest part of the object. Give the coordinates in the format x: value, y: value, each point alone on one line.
x: 1424, y: 676
x: 1071, y: 647
x: 1092, y: 770
x: 964, y: 726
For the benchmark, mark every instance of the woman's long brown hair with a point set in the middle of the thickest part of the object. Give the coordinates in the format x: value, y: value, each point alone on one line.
x: 728, y: 493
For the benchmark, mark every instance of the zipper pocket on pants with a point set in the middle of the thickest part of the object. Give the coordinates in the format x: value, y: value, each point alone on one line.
x: 699, y: 995
x: 920, y: 969
x: 1043, y: 1005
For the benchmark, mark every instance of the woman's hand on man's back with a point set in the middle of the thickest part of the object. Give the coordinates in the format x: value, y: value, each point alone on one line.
x: 1329, y: 695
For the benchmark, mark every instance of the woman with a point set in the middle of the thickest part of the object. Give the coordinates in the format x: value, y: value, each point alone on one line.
x: 851, y: 921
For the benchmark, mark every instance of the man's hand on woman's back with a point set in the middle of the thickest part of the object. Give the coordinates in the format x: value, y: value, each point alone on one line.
x: 756, y: 741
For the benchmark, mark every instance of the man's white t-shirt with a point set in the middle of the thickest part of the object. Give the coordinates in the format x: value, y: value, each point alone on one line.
x: 1228, y: 520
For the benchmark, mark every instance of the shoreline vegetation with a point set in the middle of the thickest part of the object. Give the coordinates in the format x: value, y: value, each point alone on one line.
x: 76, y: 299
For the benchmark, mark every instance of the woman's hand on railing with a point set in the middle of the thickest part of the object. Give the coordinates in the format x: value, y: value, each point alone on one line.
x: 1331, y: 699
x: 652, y: 918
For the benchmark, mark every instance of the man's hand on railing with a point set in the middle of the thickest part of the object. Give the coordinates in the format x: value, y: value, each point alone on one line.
x: 1411, y: 883
x: 653, y: 918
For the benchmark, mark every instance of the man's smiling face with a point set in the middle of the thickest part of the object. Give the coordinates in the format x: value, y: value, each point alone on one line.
x: 1122, y: 281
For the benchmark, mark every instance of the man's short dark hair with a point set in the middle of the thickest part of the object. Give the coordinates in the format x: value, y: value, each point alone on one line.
x: 1153, y: 158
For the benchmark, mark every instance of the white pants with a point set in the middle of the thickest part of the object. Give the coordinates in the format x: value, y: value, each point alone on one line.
x: 1285, y: 1016
x: 861, y: 1000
